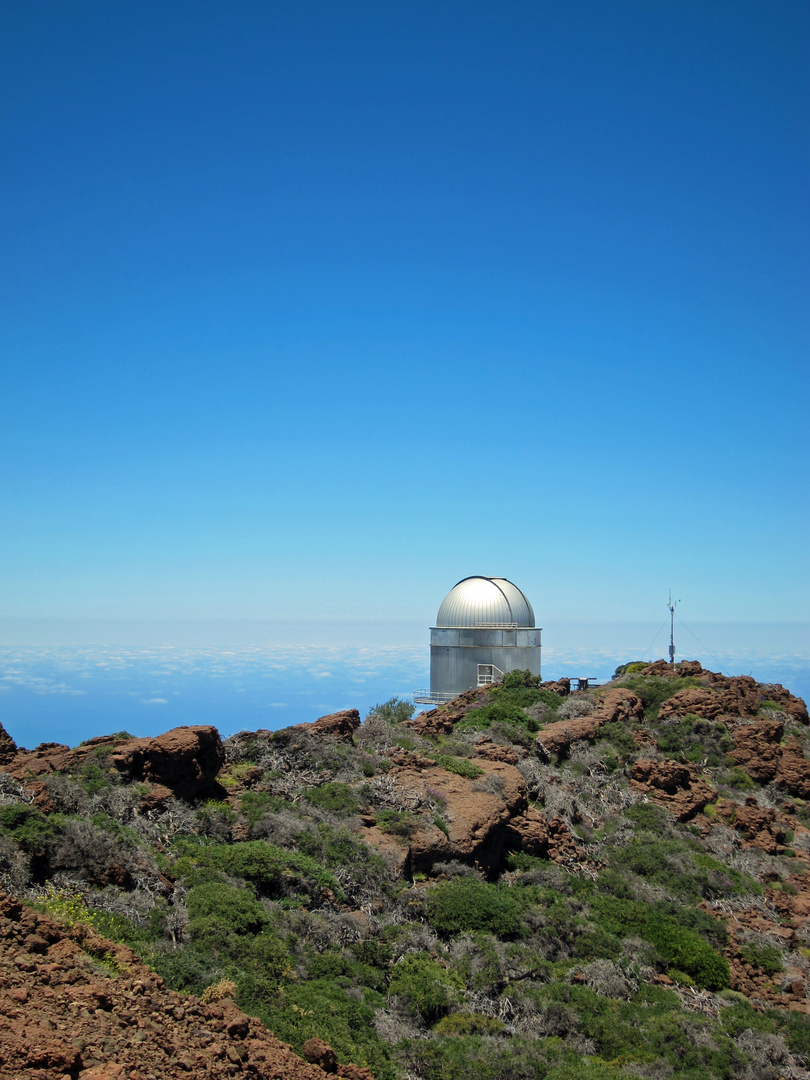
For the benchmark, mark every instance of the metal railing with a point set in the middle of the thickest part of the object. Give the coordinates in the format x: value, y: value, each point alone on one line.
x: 429, y: 697
x: 488, y: 674
x: 496, y: 626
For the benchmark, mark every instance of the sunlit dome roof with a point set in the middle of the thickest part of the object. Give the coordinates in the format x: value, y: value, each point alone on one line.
x: 482, y: 600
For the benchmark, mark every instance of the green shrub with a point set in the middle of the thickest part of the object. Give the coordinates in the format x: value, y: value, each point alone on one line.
x: 218, y: 910
x: 693, y: 739
x: 271, y: 870
x: 654, y: 690
x: 618, y: 734
x: 467, y: 904
x: 460, y: 766
x: 468, y: 1024
x: 678, y: 946
x: 503, y: 713
x: 428, y: 988
x: 319, y: 1008
x: 93, y: 778
x: 337, y: 797
x: 630, y: 668
x: 739, y: 779
x: 394, y: 711
x: 766, y: 957
x: 397, y: 822
x: 597, y: 944
x: 482, y: 1057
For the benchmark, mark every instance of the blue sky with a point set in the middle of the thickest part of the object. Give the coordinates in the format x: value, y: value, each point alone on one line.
x: 310, y: 310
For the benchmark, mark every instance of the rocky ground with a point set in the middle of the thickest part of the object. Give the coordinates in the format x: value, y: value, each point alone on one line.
x: 73, y: 1004
x: 301, y: 872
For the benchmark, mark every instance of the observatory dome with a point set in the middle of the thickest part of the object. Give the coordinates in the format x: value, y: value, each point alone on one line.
x: 483, y: 600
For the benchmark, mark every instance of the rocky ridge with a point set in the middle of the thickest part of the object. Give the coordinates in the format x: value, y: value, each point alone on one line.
x: 73, y: 1004
x: 503, y: 788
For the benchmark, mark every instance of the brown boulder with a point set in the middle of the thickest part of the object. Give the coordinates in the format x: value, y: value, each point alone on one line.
x: 558, y: 686
x: 673, y: 785
x: 476, y: 813
x: 787, y: 702
x: 483, y: 819
x: 8, y: 748
x: 528, y: 832
x: 486, y: 748
x: 354, y: 1072
x: 760, y: 826
x: 339, y: 725
x: 793, y: 771
x: 757, y: 749
x: 318, y: 1052
x: 185, y: 759
x: 740, y: 697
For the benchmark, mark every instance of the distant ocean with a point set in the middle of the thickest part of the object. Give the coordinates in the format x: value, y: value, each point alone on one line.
x: 67, y: 693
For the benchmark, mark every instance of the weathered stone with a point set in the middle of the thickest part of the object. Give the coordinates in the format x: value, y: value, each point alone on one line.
x: 8, y: 748
x: 614, y: 704
x: 339, y: 725
x: 673, y: 785
x: 185, y: 759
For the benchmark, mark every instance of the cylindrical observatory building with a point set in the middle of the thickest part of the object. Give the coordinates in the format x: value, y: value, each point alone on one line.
x: 485, y: 627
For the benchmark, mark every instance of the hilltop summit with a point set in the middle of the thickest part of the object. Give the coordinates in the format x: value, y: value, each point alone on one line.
x: 524, y: 882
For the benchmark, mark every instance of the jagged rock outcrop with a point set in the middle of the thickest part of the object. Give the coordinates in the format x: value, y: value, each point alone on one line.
x: 484, y: 818
x: 61, y: 1015
x: 674, y: 785
x: 724, y: 697
x: 762, y: 827
x: 339, y: 725
x: 8, y: 748
x: 758, y: 749
x: 617, y: 703
x: 741, y: 698
x: 185, y: 759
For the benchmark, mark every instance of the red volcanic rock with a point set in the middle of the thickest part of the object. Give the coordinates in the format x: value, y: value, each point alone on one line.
x: 484, y: 818
x: 559, y: 686
x: 728, y: 697
x: 320, y: 1053
x: 757, y: 749
x: 339, y: 725
x: 787, y: 702
x: 8, y: 748
x: 185, y: 759
x: 615, y: 704
x: 793, y: 771
x: 762, y: 828
x: 740, y: 698
x: 486, y: 748
x: 60, y: 1017
x: 673, y: 785
x: 528, y: 832
x: 689, y: 668
x: 435, y: 722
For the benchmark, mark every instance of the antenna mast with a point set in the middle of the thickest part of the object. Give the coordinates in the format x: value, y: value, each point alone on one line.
x: 672, y: 607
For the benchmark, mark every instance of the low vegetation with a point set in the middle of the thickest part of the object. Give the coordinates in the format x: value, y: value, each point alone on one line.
x: 617, y: 962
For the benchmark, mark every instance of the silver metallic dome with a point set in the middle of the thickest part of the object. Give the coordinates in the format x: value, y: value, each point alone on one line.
x: 478, y: 601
